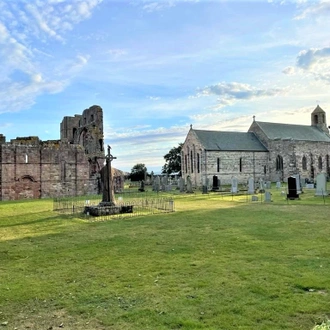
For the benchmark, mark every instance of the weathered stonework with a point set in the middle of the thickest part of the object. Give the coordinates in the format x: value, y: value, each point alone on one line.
x: 289, y: 150
x: 31, y: 168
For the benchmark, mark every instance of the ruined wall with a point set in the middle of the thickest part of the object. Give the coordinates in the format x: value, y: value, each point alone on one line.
x: 31, y: 168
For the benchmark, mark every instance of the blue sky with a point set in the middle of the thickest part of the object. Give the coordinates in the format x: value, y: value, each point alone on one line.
x: 155, y: 67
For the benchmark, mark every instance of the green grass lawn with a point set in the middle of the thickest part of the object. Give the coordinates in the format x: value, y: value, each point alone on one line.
x: 213, y: 264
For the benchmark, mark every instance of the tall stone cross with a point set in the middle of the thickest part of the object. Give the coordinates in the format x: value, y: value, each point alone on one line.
x: 108, y: 189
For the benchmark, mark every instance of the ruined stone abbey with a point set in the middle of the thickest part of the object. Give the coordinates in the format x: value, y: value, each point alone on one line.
x: 31, y: 168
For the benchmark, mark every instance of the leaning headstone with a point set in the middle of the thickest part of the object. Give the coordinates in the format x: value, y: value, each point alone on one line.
x: 292, y: 188
x: 251, y: 186
x: 189, y: 185
x: 321, y: 185
x: 234, y: 185
x: 268, y: 197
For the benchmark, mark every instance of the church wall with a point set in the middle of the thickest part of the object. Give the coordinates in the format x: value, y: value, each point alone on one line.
x: 292, y: 153
x: 240, y: 164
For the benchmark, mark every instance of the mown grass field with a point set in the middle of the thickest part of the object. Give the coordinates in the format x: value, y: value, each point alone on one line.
x: 213, y: 264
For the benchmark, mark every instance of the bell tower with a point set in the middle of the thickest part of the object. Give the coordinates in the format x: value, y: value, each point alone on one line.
x: 319, y: 119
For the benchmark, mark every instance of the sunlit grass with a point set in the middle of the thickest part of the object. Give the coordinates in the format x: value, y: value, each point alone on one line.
x: 213, y: 264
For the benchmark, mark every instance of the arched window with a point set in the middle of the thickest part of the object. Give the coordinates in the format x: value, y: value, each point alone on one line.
x: 316, y: 119
x: 218, y: 164
x: 279, y: 163
x: 320, y: 163
x: 185, y: 163
x: 191, y: 162
x: 304, y: 163
x: 240, y: 164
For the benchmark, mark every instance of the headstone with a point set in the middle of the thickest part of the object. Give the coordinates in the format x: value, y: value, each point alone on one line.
x: 251, y: 186
x: 181, y: 184
x: 268, y: 184
x: 321, y: 185
x: 141, y: 189
x: 268, y: 196
x: 292, y: 188
x: 278, y: 185
x: 254, y: 198
x: 189, y: 185
x: 234, y: 185
x: 157, y: 184
x: 309, y: 186
x: 299, y: 189
x: 215, y: 185
x: 261, y: 185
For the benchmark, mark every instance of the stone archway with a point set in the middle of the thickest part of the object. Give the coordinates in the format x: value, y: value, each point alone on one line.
x: 27, y: 188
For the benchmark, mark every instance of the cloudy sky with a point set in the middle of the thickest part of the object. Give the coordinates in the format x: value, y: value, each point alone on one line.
x: 155, y: 67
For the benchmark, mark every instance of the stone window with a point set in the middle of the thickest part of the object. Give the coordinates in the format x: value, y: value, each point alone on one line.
x: 304, y: 163
x: 279, y: 163
x: 218, y: 164
x: 328, y: 164
x: 198, y: 163
x: 265, y: 169
x: 186, y: 163
x: 320, y: 163
x: 26, y: 158
x: 92, y: 117
x: 191, y: 162
x: 240, y: 164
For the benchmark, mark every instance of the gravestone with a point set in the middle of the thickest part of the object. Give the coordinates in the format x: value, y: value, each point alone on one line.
x: 215, y: 185
x: 157, y: 184
x: 299, y: 189
x: 189, y: 185
x: 141, y: 189
x: 251, y: 186
x: 254, y: 198
x: 278, y: 185
x: 268, y: 197
x: 261, y: 185
x: 268, y: 184
x: 234, y: 185
x: 292, y: 188
x: 321, y: 185
x: 181, y: 184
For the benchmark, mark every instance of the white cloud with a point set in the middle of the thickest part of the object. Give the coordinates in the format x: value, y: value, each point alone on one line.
x: 47, y: 72
x: 321, y: 8
x: 290, y: 70
x: 230, y: 93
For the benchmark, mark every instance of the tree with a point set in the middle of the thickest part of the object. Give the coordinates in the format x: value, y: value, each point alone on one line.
x: 138, y: 172
x: 173, y: 160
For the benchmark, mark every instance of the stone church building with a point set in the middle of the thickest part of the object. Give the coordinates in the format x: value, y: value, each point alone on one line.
x: 270, y: 151
x: 31, y: 168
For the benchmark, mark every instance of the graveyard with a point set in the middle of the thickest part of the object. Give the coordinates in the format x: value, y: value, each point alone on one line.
x: 220, y: 261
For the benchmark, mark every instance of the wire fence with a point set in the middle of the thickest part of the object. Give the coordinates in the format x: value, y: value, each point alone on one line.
x: 89, y: 208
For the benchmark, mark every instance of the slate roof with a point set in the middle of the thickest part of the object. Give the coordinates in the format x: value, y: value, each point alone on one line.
x: 229, y: 141
x: 296, y: 132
